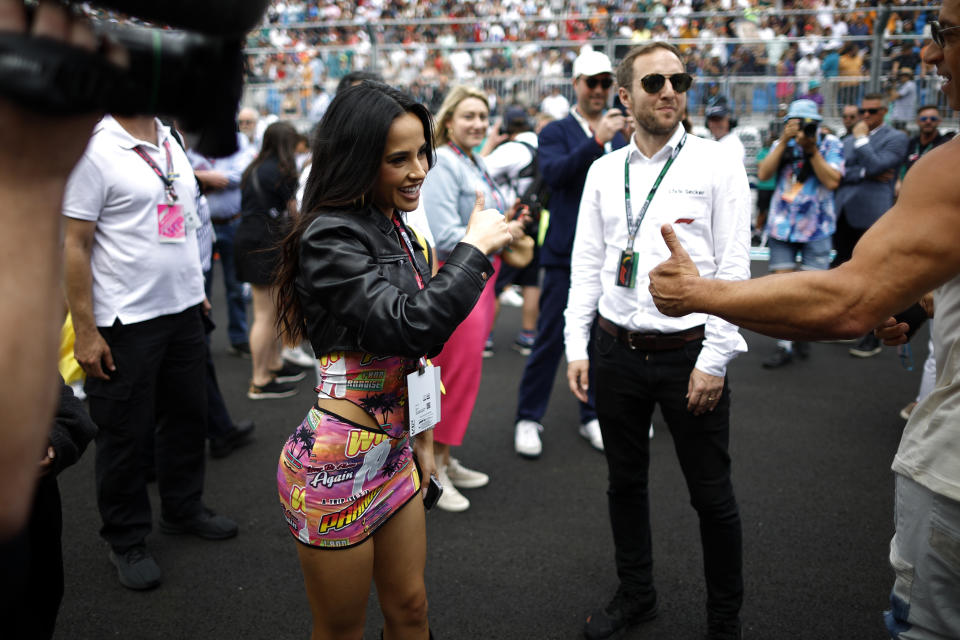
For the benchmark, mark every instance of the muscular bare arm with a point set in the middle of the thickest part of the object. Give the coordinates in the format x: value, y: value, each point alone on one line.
x: 909, y: 251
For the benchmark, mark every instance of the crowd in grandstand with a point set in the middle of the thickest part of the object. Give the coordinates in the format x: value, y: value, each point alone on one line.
x: 303, y: 45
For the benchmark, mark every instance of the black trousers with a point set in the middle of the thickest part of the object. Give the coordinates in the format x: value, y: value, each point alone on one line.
x: 219, y: 423
x: 540, y: 370
x: 629, y: 384
x: 845, y: 239
x: 159, y: 386
x: 31, y: 569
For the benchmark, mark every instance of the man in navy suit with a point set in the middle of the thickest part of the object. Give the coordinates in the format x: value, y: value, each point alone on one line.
x: 872, y: 156
x: 567, y: 149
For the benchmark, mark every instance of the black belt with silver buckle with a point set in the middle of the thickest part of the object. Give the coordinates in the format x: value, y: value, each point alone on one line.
x: 639, y: 341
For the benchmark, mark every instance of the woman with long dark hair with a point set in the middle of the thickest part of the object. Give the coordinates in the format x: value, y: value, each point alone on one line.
x: 356, y: 283
x: 267, y: 206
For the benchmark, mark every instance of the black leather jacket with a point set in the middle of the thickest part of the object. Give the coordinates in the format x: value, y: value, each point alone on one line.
x: 359, y: 291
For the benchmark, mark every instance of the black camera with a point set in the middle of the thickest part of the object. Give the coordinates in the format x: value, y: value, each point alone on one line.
x: 193, y: 73
x: 810, y: 128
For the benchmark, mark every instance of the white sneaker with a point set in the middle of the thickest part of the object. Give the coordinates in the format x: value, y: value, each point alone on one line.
x: 590, y: 431
x: 464, y: 478
x: 450, y: 499
x: 526, y: 438
x: 296, y: 356
x: 511, y: 297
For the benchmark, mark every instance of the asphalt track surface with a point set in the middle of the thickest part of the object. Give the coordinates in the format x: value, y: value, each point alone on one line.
x: 811, y: 445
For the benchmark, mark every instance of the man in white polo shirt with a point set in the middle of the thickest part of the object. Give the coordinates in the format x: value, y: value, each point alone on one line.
x: 135, y: 288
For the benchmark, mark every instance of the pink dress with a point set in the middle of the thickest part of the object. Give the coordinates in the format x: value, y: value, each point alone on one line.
x: 461, y: 366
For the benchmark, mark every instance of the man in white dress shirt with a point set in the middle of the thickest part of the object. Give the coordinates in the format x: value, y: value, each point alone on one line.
x: 643, y: 358
x: 721, y: 127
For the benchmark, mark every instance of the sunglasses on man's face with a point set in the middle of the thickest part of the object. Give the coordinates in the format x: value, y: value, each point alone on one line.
x: 654, y: 82
x: 605, y: 82
x: 872, y: 111
x: 928, y: 119
x: 936, y: 33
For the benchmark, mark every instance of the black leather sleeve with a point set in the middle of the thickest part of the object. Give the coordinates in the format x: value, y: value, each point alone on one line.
x: 362, y: 281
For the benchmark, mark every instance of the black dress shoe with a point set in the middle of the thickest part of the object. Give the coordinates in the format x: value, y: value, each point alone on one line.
x: 240, y: 349
x: 625, y: 610
x: 802, y: 349
x: 205, y: 524
x: 239, y: 436
x: 779, y: 358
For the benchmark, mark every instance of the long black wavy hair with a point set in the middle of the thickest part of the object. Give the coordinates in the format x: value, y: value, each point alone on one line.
x: 279, y: 142
x: 348, y: 147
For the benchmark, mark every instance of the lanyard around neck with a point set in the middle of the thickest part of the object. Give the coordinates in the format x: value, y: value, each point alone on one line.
x: 408, y: 247
x: 633, y: 226
x: 166, y: 178
x: 486, y: 176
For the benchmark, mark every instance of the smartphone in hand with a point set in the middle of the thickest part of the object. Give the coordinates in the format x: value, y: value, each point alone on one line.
x: 434, y: 491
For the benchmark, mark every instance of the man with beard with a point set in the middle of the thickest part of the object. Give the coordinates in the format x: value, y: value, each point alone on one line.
x: 911, y: 250
x: 567, y: 148
x: 642, y: 358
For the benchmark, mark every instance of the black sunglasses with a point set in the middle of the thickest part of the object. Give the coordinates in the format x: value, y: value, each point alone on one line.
x: 872, y: 111
x: 928, y: 119
x: 936, y: 32
x: 605, y: 82
x: 653, y: 82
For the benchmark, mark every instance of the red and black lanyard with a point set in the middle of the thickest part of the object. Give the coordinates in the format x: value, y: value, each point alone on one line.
x: 166, y: 178
x: 408, y: 247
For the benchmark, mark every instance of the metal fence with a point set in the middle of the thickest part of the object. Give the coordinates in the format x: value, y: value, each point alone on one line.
x: 754, y: 98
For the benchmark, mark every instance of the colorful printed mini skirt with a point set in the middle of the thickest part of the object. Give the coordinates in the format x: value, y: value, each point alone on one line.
x: 339, y: 481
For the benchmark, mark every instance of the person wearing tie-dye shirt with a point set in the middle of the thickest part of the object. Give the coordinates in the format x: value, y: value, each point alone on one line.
x: 808, y: 165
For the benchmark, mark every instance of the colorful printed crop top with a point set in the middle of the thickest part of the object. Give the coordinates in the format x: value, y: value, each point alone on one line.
x: 378, y: 385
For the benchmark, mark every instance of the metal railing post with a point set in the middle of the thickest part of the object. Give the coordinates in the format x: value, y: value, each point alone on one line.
x: 611, y: 35
x: 374, y: 49
x: 876, y: 54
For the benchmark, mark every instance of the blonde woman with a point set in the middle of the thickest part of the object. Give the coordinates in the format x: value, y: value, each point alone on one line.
x: 449, y: 193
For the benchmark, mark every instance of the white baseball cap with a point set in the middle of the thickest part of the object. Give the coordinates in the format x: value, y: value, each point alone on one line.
x: 591, y: 63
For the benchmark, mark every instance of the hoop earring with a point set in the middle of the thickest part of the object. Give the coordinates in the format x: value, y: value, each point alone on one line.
x: 361, y: 202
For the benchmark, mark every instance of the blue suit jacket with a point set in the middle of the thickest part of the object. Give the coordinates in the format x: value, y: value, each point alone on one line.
x: 566, y: 153
x: 859, y: 198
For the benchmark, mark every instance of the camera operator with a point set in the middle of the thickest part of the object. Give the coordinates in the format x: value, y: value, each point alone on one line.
x: 802, y: 218
x: 37, y: 153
